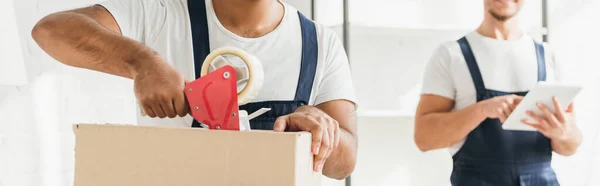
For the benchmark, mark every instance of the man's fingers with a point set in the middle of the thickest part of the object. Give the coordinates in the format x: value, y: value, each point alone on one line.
x: 533, y: 124
x: 550, y: 117
x: 310, y: 124
x: 323, y: 152
x: 507, y: 109
x: 537, y: 126
x: 535, y: 116
x: 159, y: 111
x: 337, y: 135
x: 570, y: 108
x: 169, y: 109
x: 510, y: 100
x: 502, y: 119
x: 517, y: 100
x: 560, y: 113
x: 181, y: 107
x: 541, y: 121
x: 280, y: 124
x: 187, y: 105
x: 333, y: 143
x: 502, y: 114
x: 317, y: 135
x: 302, y: 123
x: 149, y: 111
x: 513, y: 106
x: 332, y: 131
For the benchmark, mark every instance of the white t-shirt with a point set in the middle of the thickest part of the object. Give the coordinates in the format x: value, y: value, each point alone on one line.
x: 509, y: 66
x: 164, y: 26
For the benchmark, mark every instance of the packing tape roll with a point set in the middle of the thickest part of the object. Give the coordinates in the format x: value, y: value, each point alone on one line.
x: 255, y: 71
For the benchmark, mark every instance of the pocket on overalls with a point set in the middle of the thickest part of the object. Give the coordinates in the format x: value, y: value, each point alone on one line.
x: 469, y: 178
x: 543, y: 178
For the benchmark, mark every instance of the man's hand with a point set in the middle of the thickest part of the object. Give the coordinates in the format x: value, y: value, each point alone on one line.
x: 500, y: 107
x: 559, y: 126
x: 159, y: 89
x: 324, y: 129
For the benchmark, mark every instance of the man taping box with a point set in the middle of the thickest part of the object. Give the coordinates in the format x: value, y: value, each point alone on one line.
x: 160, y: 44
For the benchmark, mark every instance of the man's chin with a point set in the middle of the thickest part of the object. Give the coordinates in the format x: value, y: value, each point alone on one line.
x: 502, y: 16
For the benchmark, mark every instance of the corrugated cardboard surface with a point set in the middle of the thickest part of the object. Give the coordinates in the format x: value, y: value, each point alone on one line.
x: 118, y: 155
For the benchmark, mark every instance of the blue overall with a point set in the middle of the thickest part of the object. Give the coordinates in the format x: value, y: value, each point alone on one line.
x: 308, y: 67
x: 493, y: 156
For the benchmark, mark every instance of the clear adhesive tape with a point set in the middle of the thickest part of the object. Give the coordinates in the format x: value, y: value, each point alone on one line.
x: 255, y: 72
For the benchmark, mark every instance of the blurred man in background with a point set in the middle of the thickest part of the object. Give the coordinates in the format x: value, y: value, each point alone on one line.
x: 470, y: 88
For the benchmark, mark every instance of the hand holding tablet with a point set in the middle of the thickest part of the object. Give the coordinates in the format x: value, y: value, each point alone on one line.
x: 539, y: 108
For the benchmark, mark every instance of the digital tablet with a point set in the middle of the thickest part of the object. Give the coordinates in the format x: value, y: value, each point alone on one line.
x: 543, y: 93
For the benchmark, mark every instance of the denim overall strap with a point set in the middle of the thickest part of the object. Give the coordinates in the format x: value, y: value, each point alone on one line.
x: 310, y: 55
x: 308, y: 68
x: 541, y: 61
x: 467, y: 52
x: 200, y: 39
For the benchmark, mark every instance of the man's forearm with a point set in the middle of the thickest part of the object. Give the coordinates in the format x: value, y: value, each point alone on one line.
x: 342, y: 160
x: 569, y: 146
x: 441, y: 130
x: 78, y: 40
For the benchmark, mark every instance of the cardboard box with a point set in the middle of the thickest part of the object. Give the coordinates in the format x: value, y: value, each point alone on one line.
x: 127, y: 155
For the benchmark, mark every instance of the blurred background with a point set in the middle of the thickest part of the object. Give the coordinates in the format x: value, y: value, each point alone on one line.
x: 388, y: 42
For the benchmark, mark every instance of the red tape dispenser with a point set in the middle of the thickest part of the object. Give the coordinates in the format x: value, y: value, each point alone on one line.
x: 229, y: 77
x: 213, y: 99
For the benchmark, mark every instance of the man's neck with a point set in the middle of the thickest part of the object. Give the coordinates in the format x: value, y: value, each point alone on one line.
x: 249, y: 18
x: 500, y: 30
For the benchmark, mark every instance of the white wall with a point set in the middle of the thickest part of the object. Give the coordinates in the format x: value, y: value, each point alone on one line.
x: 12, y: 67
x: 448, y: 14
x: 388, y: 157
x: 574, y: 32
x: 393, y: 60
x: 304, y: 6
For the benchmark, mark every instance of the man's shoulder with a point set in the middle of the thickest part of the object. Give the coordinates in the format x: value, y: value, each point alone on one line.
x: 447, y: 49
x: 326, y: 33
x: 548, y: 48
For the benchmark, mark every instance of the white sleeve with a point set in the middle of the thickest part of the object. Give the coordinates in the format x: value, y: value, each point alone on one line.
x: 336, y: 83
x: 140, y: 20
x: 553, y: 62
x: 438, y: 79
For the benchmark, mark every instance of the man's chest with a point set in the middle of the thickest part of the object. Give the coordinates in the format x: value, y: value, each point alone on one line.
x: 279, y: 53
x: 506, y: 73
